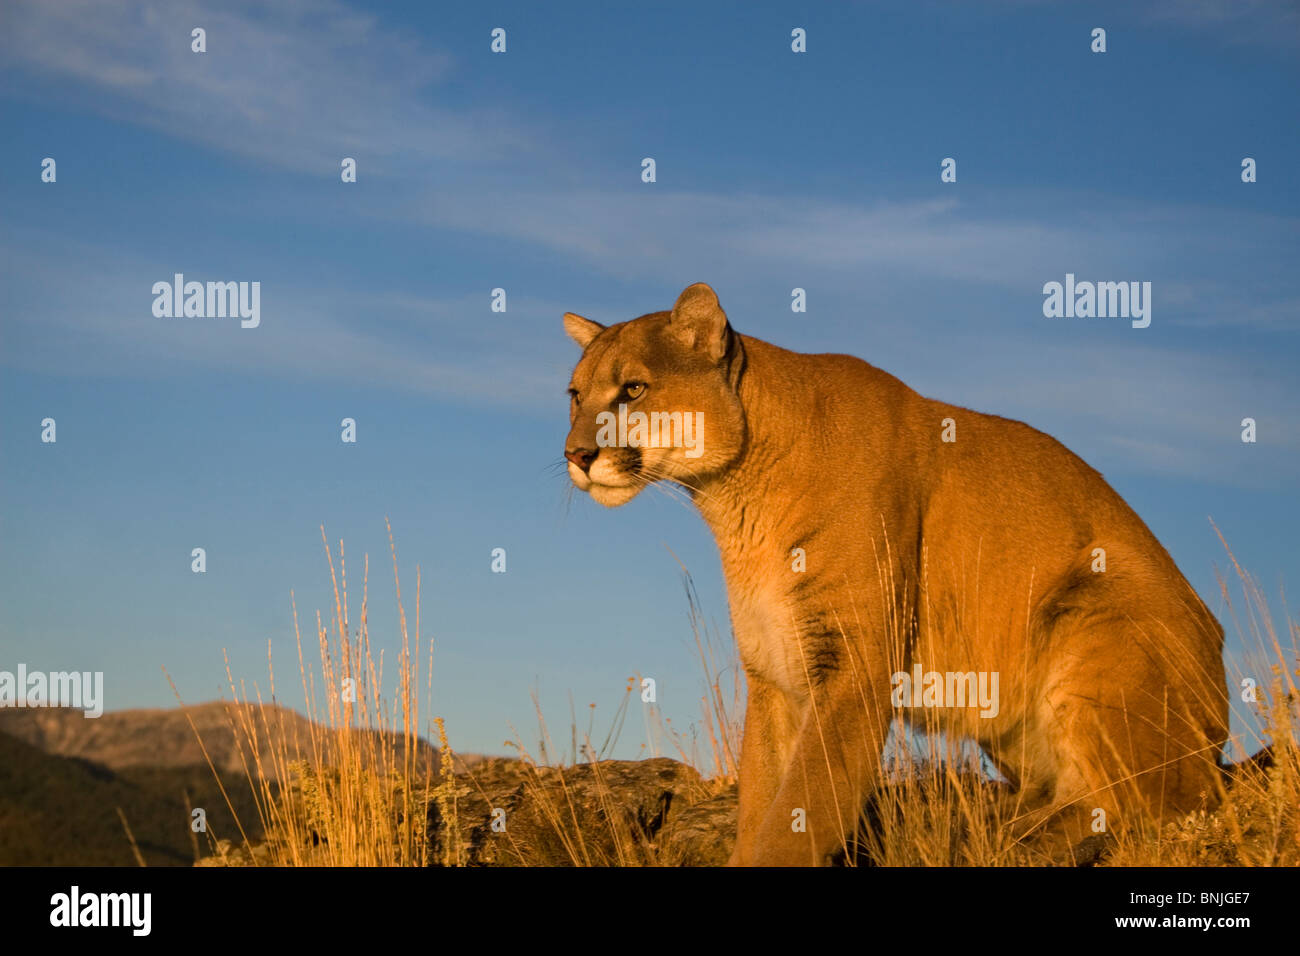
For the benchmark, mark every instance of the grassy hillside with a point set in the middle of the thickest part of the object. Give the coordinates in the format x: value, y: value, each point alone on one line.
x: 57, y: 810
x: 166, y: 738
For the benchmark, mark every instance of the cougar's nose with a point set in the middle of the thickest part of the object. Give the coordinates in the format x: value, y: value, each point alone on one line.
x: 582, y: 457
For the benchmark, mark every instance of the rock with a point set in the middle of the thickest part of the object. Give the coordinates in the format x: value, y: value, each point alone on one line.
x: 229, y: 854
x: 702, y: 834
x: 513, y: 813
x: 509, y: 812
x: 1092, y: 850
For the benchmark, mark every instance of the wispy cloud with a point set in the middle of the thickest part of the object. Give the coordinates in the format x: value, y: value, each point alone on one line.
x: 295, y: 83
x: 86, y: 311
x: 671, y: 232
x: 1161, y: 409
x: 654, y: 232
x: 1272, y: 23
x: 1257, y: 22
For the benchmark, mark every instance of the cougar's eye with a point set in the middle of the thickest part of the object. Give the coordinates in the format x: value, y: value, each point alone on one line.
x: 634, y: 389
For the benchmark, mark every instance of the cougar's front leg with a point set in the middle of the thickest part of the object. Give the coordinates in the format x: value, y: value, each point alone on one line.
x: 763, y: 748
x: 834, y: 766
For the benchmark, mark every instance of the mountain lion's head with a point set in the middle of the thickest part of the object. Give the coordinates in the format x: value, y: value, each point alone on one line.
x: 654, y: 399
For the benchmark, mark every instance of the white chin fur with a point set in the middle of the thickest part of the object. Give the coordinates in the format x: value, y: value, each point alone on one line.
x: 611, y: 496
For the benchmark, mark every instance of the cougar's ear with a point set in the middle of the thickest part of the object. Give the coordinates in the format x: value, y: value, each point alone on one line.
x: 698, y: 321
x: 581, y: 330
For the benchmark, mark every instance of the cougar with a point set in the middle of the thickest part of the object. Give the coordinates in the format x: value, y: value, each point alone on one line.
x: 872, y: 538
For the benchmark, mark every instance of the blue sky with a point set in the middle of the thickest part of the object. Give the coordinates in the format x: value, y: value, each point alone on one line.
x: 522, y: 171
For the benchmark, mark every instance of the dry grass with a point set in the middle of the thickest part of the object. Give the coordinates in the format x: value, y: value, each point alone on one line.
x: 361, y: 792
x: 359, y: 785
x: 549, y: 772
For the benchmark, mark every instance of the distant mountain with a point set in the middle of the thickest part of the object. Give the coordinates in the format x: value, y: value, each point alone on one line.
x: 63, y: 811
x: 63, y: 777
x: 165, y: 738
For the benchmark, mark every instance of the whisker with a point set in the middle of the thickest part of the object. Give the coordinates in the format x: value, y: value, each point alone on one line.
x: 666, y: 488
x: 659, y: 475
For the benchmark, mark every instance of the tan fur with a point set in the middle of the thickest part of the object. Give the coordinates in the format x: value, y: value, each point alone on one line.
x: 971, y: 555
